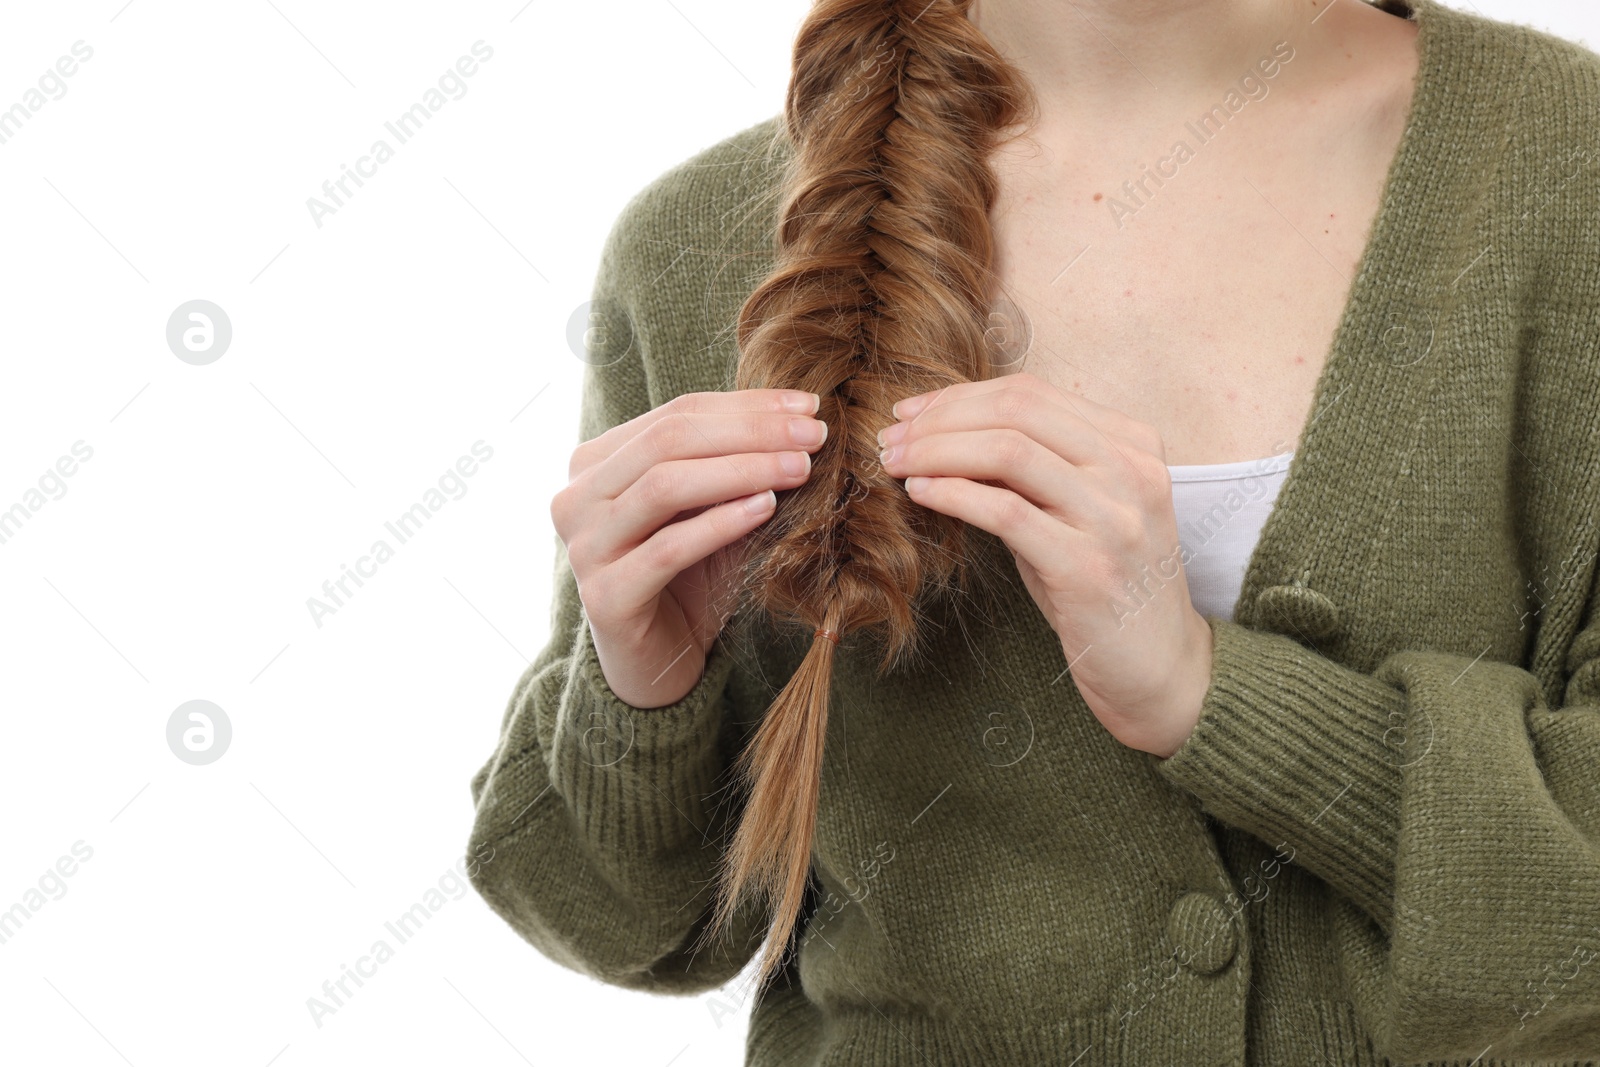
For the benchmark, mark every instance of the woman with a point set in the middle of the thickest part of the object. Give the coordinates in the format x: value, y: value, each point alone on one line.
x: 1324, y: 785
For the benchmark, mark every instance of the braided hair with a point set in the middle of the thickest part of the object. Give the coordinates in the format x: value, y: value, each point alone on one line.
x: 881, y: 288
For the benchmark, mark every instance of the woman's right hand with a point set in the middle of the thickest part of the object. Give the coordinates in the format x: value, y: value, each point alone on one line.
x: 649, y: 506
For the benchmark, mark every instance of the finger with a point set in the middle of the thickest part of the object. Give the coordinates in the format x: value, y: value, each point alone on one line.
x: 1050, y: 547
x: 691, y: 434
x: 666, y: 491
x: 641, y: 575
x: 1011, y: 458
x: 1054, y: 419
x: 1113, y: 429
x: 1092, y: 410
x: 775, y: 401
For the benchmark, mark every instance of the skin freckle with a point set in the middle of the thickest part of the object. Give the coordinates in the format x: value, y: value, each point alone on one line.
x: 1099, y: 197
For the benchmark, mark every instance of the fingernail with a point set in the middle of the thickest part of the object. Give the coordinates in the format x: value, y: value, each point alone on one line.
x: 802, y: 403
x: 909, y: 407
x: 807, y: 432
x: 758, y: 504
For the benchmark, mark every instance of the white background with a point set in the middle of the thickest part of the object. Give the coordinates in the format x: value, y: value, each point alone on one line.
x: 427, y: 313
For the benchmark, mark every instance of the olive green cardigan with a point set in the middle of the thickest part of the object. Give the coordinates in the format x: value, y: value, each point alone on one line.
x: 1383, y: 838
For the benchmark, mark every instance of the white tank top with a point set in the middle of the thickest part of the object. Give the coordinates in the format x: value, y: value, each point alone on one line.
x: 1220, y: 508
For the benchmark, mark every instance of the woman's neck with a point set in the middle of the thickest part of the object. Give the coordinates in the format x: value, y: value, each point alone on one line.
x: 1089, y: 59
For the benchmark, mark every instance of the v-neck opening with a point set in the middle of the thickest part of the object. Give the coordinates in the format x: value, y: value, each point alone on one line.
x: 1360, y: 304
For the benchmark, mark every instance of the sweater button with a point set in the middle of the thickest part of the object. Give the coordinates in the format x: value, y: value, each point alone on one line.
x: 1203, y: 931
x: 1298, y: 611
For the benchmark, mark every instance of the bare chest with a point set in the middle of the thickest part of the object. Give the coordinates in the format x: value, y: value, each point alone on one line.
x: 1205, y: 304
x: 1216, y: 340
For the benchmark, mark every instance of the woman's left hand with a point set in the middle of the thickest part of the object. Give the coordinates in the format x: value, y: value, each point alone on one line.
x: 1081, y: 495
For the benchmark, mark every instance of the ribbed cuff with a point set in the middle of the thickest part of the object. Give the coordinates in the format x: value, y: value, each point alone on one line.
x: 638, y: 781
x: 1304, y: 754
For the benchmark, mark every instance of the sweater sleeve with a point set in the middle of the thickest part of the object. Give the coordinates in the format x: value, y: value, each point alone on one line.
x: 1454, y: 811
x: 597, y: 825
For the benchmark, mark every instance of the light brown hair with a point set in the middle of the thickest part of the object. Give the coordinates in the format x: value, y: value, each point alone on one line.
x: 880, y: 289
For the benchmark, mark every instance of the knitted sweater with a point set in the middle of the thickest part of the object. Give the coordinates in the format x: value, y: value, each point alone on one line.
x: 1382, y: 842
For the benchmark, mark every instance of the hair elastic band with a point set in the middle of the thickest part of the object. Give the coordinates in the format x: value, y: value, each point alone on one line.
x: 829, y: 634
